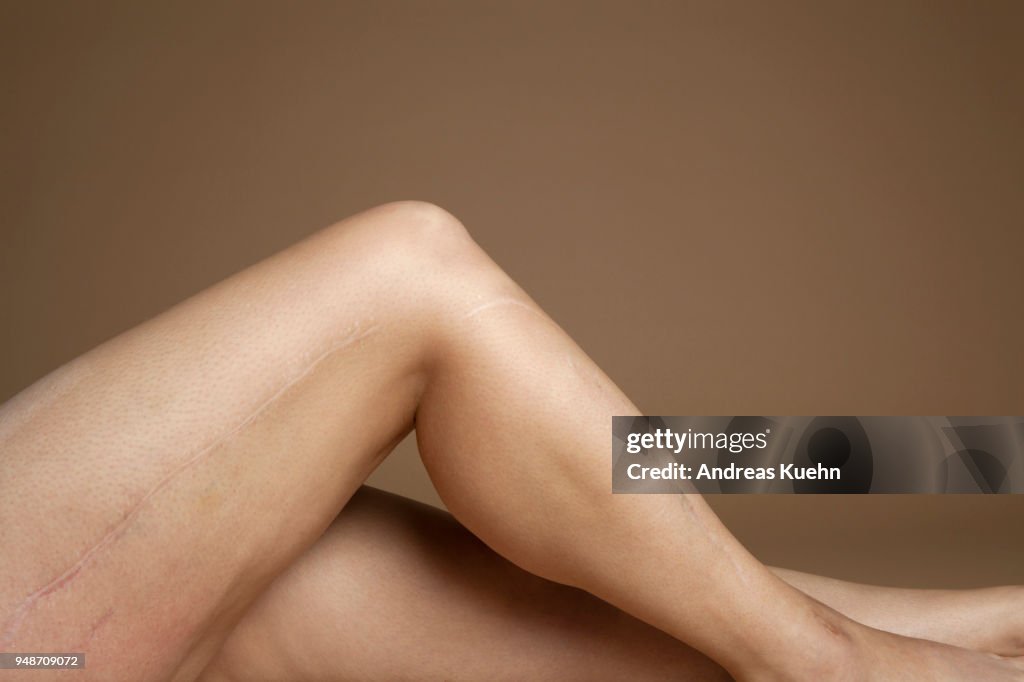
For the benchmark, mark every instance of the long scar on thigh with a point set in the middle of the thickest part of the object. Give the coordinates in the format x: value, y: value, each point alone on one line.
x: 14, y: 622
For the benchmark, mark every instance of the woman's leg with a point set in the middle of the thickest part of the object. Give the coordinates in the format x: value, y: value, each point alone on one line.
x: 987, y: 619
x: 462, y: 612
x: 153, y: 487
x: 397, y: 590
x: 170, y: 474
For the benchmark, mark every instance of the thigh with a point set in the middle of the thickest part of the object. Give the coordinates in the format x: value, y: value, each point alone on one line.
x: 396, y: 590
x: 152, y: 488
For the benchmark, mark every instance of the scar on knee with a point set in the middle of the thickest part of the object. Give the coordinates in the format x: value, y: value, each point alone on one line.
x: 499, y: 302
x: 13, y: 624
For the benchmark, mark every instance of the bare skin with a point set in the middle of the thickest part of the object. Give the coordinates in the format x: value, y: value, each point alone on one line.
x: 461, y: 612
x: 167, y: 477
x: 445, y: 607
x: 988, y: 619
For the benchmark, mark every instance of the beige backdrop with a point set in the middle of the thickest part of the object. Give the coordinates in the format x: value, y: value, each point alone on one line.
x: 733, y: 208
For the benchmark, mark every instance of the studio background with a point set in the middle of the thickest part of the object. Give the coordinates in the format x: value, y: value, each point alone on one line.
x: 734, y: 208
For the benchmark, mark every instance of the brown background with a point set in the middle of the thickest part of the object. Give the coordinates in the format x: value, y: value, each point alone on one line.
x: 733, y: 208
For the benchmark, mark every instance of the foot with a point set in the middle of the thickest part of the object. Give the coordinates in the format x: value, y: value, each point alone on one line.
x: 989, y: 619
x: 891, y: 657
x: 841, y: 650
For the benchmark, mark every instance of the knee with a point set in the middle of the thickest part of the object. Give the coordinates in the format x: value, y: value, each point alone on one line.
x: 410, y: 231
x: 423, y: 254
x: 427, y: 221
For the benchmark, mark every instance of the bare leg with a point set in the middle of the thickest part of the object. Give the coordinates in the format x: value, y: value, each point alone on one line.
x: 173, y: 472
x: 462, y: 612
x: 988, y: 619
x: 397, y: 590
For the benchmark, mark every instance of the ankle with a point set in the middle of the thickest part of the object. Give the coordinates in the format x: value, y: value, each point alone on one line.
x: 832, y: 648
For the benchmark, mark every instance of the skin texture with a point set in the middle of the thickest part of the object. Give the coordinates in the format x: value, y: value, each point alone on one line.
x: 461, y: 612
x: 390, y: 570
x: 194, y: 458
